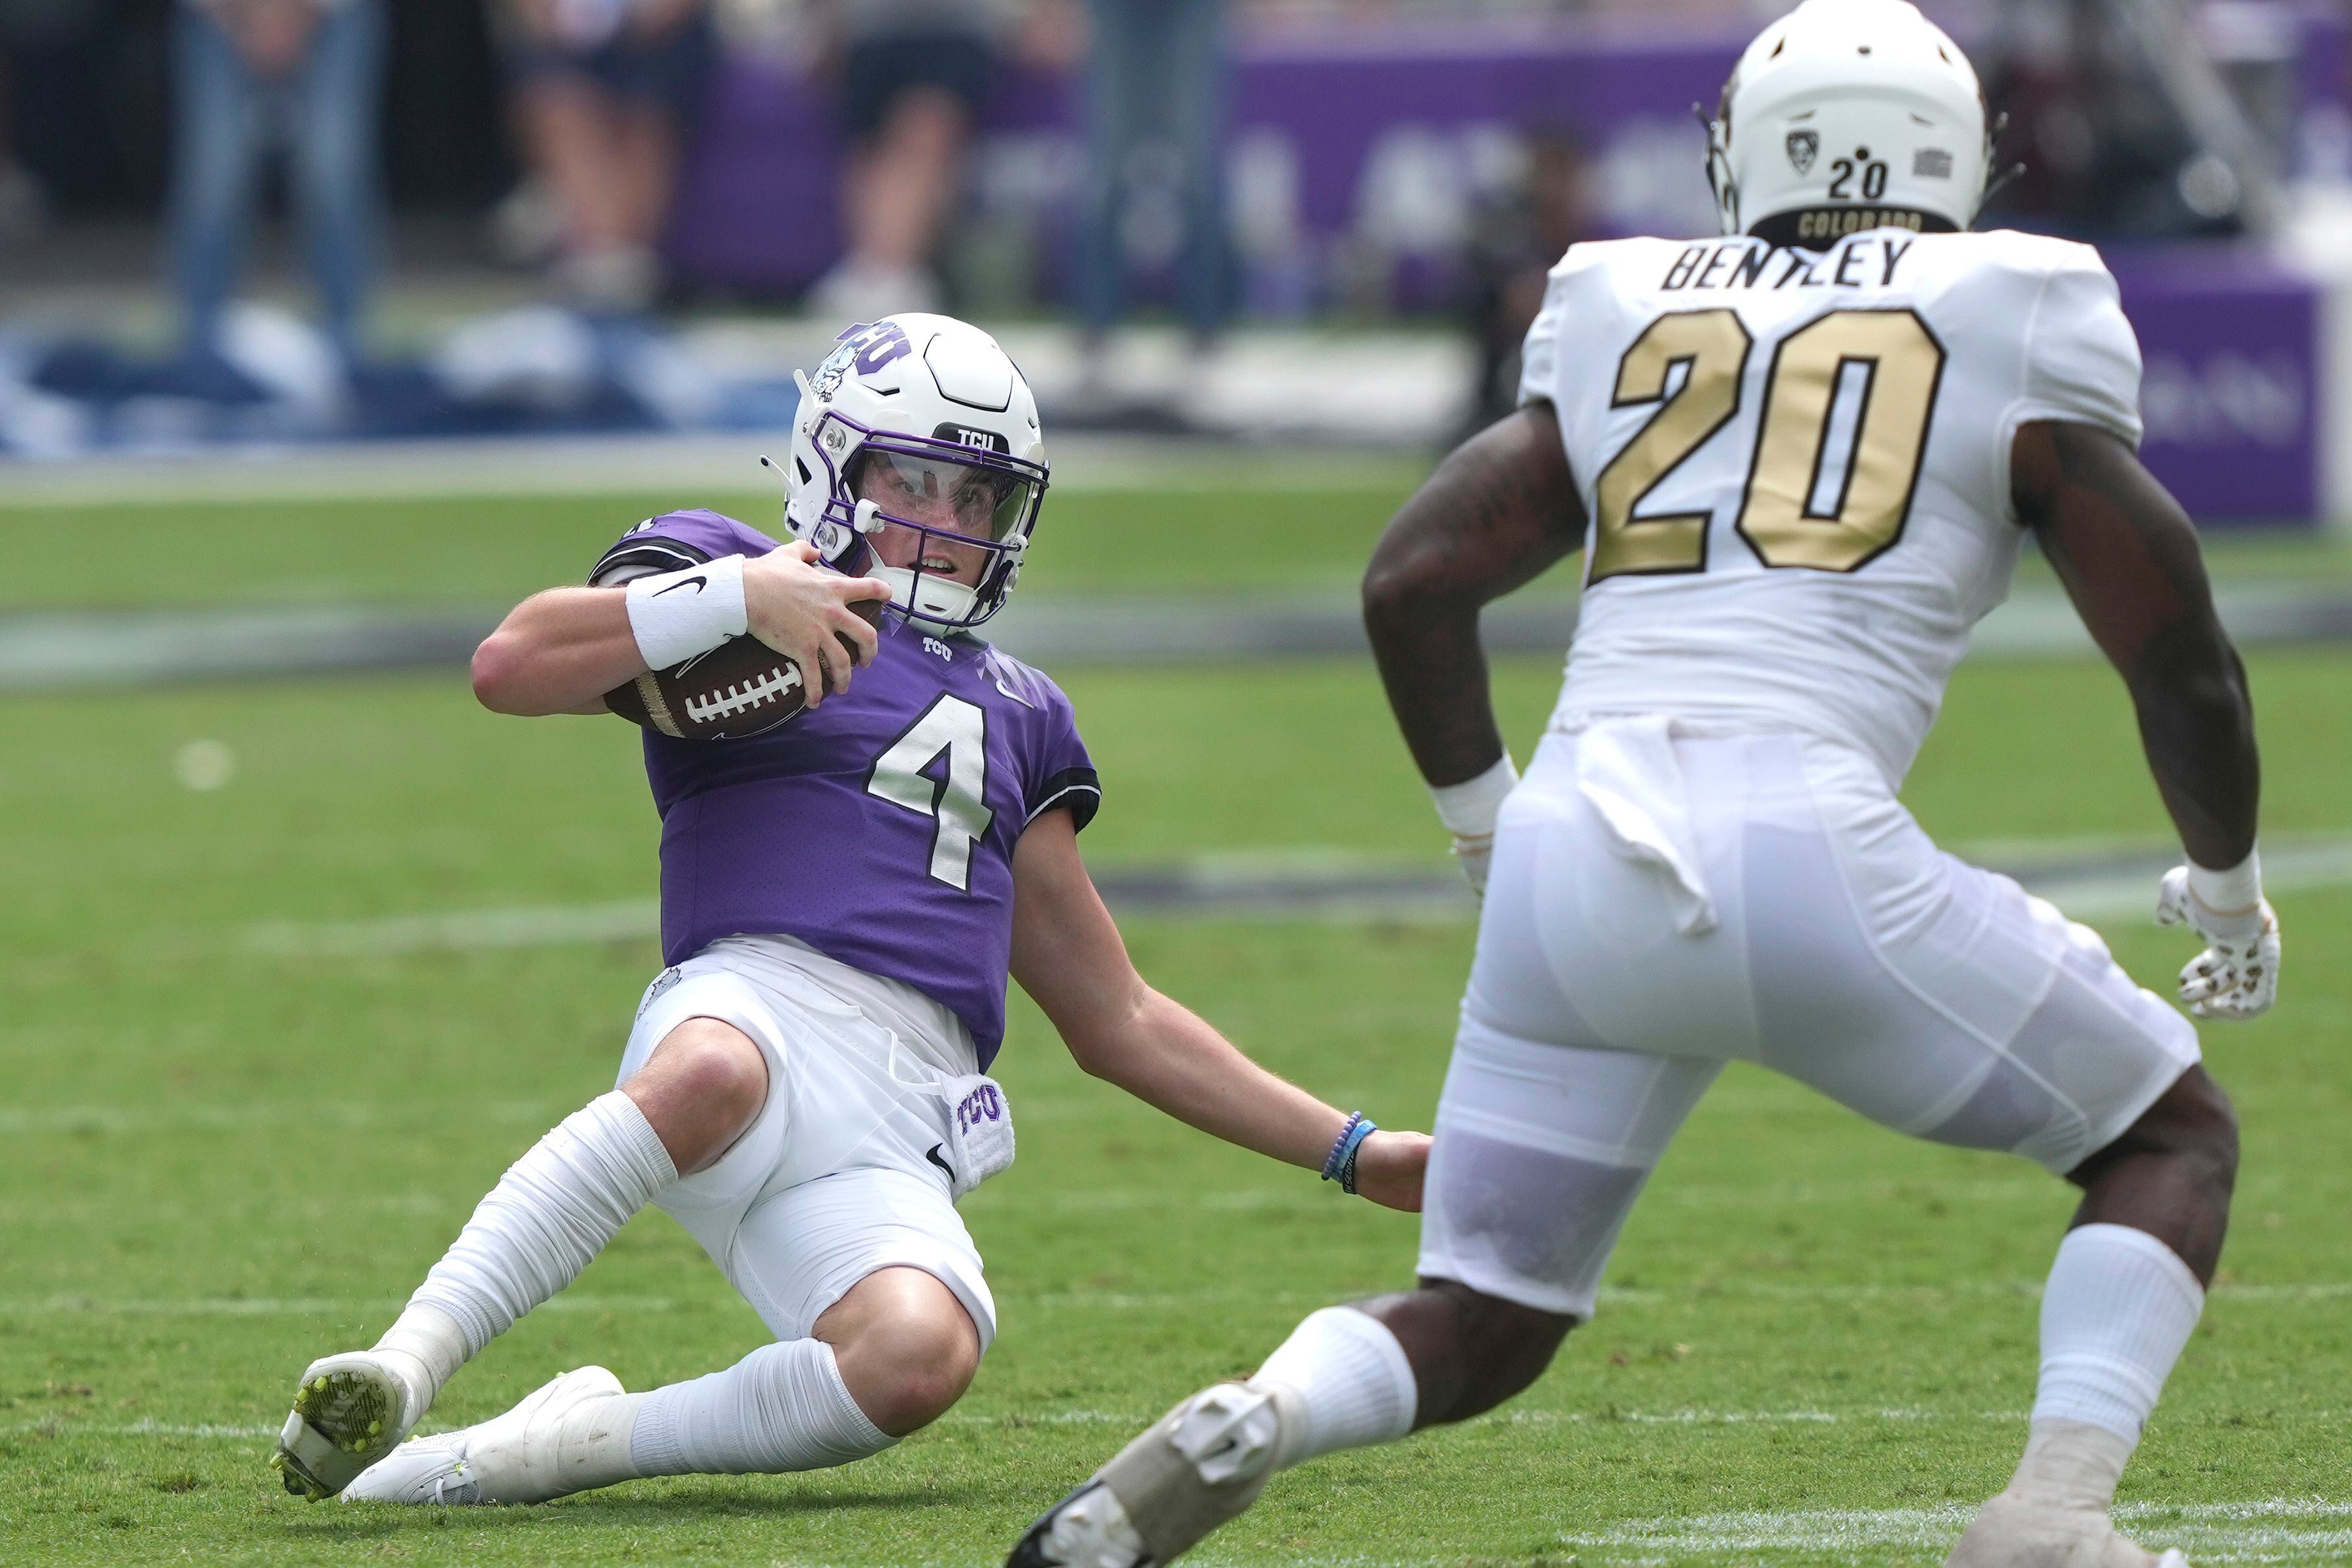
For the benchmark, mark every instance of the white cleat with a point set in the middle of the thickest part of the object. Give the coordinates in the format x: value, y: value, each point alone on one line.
x: 2011, y: 1532
x: 348, y: 1412
x: 520, y: 1456
x: 1202, y: 1464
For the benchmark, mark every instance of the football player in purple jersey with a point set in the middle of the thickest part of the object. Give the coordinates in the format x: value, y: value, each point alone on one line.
x: 843, y: 899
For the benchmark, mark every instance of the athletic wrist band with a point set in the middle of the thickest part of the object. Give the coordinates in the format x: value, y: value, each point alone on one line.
x: 2236, y: 891
x: 678, y: 614
x: 1469, y: 808
x: 1339, y: 1165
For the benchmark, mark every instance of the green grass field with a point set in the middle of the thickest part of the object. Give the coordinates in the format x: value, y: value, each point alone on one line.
x: 1818, y: 1343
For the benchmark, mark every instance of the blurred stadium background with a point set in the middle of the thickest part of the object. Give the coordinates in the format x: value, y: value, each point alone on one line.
x: 281, y: 437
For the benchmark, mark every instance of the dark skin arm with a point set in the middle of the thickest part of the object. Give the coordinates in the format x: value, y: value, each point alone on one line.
x: 1499, y: 509
x: 2129, y: 558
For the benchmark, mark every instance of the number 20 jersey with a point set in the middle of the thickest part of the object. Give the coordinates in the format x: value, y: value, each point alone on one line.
x: 878, y: 827
x: 1796, y: 463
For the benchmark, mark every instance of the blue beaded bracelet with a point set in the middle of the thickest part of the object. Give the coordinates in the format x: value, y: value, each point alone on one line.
x: 1341, y: 1165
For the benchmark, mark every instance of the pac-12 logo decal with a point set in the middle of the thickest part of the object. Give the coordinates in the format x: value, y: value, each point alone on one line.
x: 1804, y: 146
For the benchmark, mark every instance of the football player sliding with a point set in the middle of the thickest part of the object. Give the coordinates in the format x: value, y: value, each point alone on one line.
x: 842, y: 900
x: 1799, y: 461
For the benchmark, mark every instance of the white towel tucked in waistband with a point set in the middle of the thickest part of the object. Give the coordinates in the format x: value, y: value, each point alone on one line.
x: 1627, y: 769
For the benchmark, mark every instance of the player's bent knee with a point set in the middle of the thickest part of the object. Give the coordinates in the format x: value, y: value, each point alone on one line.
x: 2206, y: 1124
x: 701, y: 1090
x: 906, y: 1347
x: 2193, y: 1120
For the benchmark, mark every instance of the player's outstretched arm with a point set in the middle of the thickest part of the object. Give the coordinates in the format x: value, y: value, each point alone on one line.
x: 559, y: 651
x: 1067, y: 955
x: 2129, y: 558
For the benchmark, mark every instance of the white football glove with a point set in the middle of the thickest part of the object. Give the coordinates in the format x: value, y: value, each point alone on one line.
x: 1474, y: 853
x: 1468, y: 810
x: 2237, y: 974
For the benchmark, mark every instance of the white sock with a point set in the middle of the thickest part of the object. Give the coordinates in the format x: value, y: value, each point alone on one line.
x: 594, y: 1447
x: 548, y: 1217
x: 426, y: 1347
x: 2071, y: 1465
x: 1349, y: 1379
x: 782, y: 1407
x: 2117, y: 1310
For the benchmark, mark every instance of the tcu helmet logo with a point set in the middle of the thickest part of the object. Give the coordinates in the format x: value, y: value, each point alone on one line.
x: 983, y: 1104
x: 1804, y: 146
x: 867, y: 348
x: 965, y: 436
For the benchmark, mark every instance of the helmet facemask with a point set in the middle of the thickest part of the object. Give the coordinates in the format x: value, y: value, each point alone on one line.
x: 946, y: 524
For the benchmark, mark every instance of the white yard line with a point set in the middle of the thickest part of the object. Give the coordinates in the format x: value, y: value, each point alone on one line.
x: 116, y: 1120
x: 552, y: 925
x: 72, y: 1304
x: 2251, y: 1532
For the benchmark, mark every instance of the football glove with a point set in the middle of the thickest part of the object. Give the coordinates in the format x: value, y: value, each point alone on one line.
x: 2237, y: 974
x: 1469, y: 809
x: 1474, y: 853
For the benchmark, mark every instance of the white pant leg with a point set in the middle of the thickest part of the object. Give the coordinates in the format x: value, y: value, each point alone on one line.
x: 834, y: 1178
x: 1934, y: 997
x: 1539, y: 1151
x: 1848, y: 952
x: 800, y: 1250
x: 1851, y: 954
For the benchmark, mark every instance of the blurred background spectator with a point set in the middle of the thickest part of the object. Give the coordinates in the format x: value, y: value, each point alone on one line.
x: 1521, y: 230
x: 912, y: 77
x: 252, y: 76
x: 25, y: 26
x: 1155, y: 98
x: 2144, y: 118
x: 1355, y: 200
x: 605, y: 95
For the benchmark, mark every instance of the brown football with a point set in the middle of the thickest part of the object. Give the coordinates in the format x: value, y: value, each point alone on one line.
x: 739, y: 689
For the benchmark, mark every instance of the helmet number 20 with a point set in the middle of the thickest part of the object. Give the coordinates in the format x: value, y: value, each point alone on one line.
x: 939, y: 769
x: 1847, y: 400
x: 1874, y: 180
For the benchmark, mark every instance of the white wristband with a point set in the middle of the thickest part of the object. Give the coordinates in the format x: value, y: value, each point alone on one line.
x: 2236, y: 891
x: 678, y: 614
x: 1469, y: 808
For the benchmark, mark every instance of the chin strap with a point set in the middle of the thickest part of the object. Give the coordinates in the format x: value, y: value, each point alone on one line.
x: 1718, y: 171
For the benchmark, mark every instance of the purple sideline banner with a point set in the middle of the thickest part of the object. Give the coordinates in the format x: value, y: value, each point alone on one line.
x: 2229, y: 389
x: 1359, y: 154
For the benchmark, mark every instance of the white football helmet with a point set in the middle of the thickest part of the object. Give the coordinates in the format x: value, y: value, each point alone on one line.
x: 1849, y: 114
x: 918, y: 423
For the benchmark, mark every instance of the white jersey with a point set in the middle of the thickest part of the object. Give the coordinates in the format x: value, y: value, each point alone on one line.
x: 1796, y: 464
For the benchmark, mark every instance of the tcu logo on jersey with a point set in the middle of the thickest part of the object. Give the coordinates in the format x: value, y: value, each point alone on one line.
x: 933, y: 644
x: 983, y: 1104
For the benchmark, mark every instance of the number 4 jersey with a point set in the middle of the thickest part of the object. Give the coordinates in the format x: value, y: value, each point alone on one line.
x: 878, y: 827
x: 1796, y: 463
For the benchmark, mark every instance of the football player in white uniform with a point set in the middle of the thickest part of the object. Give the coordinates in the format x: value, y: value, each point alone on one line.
x: 1800, y: 461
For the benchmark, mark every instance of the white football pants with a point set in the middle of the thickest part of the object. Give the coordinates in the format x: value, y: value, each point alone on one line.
x: 835, y: 1177
x: 1662, y: 903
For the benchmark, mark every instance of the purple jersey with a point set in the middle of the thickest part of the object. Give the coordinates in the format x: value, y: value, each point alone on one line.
x: 877, y: 829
